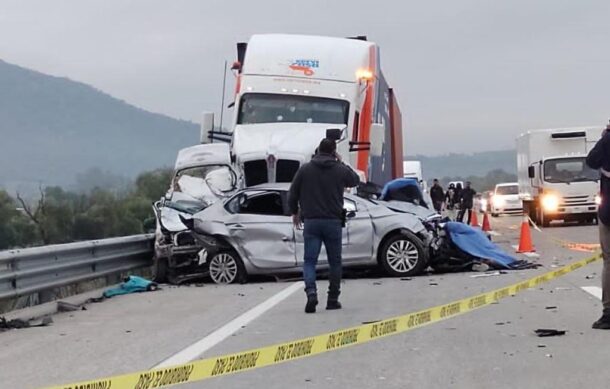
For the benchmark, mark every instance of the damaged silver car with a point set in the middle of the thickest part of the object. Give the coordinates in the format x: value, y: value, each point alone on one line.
x: 252, y: 233
x: 202, y: 175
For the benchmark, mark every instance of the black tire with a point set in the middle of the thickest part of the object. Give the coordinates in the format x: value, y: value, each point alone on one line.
x: 495, y: 214
x: 394, y: 255
x: 226, y: 267
x: 542, y: 219
x: 160, y: 270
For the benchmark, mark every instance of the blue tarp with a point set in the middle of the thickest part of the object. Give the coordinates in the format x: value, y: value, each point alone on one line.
x: 473, y: 241
x: 133, y: 284
x: 397, y: 184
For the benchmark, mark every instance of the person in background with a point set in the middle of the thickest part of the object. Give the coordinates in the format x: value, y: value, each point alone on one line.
x: 437, y: 195
x: 449, y: 201
x: 599, y: 159
x: 316, y: 197
x: 466, y: 202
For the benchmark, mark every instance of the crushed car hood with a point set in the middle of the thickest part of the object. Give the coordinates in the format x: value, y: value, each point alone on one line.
x: 422, y: 213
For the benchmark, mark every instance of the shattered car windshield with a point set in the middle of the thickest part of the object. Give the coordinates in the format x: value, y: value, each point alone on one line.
x: 272, y: 108
x: 204, y: 183
x: 568, y: 170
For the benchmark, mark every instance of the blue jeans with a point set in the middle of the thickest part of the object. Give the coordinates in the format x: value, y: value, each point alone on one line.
x: 316, y: 232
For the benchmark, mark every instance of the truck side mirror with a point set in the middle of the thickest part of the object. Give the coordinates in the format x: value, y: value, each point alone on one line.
x: 334, y: 134
x: 531, y: 172
x: 207, y: 125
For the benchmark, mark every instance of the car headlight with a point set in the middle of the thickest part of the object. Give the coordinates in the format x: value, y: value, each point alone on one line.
x: 598, y: 199
x: 550, y: 202
x: 498, y: 201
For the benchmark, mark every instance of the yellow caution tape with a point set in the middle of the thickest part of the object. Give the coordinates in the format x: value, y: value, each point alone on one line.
x: 272, y: 355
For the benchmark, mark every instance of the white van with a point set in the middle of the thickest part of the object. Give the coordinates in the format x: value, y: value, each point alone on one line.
x: 505, y: 199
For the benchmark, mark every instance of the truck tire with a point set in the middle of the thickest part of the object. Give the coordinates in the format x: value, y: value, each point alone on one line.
x: 542, y: 220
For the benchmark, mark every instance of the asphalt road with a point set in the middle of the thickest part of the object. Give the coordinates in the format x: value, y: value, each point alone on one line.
x: 494, y: 345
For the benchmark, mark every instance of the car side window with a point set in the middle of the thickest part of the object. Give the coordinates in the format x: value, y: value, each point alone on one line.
x: 256, y: 203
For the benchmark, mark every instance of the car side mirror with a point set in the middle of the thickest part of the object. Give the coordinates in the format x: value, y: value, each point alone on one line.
x: 531, y: 172
x: 350, y: 214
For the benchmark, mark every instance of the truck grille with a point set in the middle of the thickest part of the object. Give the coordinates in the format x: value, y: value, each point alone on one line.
x: 256, y: 172
x: 285, y: 170
x: 576, y: 201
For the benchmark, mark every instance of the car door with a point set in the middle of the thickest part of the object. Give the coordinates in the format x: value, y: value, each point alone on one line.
x: 360, y: 226
x: 260, y: 225
x: 359, y: 232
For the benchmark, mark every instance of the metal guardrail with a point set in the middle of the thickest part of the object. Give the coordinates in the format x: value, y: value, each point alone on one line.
x: 37, y: 269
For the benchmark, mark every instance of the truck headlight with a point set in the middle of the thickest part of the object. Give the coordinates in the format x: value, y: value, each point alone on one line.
x: 550, y: 202
x: 598, y: 199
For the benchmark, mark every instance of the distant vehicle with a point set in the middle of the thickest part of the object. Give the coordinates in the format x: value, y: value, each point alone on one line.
x: 292, y: 88
x: 252, y: 233
x: 505, y: 199
x: 555, y: 183
x: 413, y: 169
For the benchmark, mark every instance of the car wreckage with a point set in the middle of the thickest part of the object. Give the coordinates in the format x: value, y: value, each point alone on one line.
x: 207, y: 227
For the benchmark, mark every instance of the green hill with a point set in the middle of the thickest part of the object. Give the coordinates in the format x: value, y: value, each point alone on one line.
x: 53, y: 128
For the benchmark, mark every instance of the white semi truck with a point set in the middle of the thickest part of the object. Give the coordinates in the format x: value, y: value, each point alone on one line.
x: 554, y: 180
x: 291, y: 89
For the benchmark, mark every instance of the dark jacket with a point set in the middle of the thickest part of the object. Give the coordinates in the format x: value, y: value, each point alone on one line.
x: 467, y: 197
x: 436, y: 194
x: 599, y: 158
x: 318, y: 188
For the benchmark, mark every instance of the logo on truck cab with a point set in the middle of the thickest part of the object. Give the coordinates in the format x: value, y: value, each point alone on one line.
x: 306, y: 66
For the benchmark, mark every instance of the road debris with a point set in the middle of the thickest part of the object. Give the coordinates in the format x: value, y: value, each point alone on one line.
x: 63, y: 306
x: 550, y: 307
x: 491, y: 274
x: 19, y: 323
x: 544, y: 332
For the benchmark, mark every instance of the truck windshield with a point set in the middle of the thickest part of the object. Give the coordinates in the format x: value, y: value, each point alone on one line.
x: 507, y: 190
x: 272, y: 108
x: 568, y: 170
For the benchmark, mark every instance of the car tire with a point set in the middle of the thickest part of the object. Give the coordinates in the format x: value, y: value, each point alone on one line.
x: 226, y: 267
x: 495, y: 214
x: 160, y: 270
x: 403, y: 255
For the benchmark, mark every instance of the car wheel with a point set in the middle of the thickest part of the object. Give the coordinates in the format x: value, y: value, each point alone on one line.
x: 403, y: 255
x: 160, y: 269
x: 226, y: 268
x: 495, y: 214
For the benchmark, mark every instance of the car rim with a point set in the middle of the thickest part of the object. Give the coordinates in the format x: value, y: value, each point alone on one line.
x: 223, y: 269
x: 402, y: 256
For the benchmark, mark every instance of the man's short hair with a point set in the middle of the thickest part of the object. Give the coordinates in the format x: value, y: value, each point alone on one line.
x: 327, y: 146
x: 435, y: 180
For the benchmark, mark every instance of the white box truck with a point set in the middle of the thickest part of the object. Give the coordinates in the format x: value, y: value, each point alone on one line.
x: 554, y: 181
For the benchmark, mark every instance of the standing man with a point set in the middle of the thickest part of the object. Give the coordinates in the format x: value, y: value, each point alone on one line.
x: 437, y: 195
x: 317, y: 189
x: 467, y: 202
x: 599, y: 158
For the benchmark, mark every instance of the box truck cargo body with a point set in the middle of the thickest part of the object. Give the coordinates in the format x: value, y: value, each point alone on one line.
x: 554, y: 181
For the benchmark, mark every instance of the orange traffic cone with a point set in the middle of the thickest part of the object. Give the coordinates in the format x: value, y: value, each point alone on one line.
x: 525, y: 239
x: 474, y: 220
x: 486, y: 223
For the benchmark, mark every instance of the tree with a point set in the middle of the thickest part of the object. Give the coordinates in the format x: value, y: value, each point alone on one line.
x: 153, y: 185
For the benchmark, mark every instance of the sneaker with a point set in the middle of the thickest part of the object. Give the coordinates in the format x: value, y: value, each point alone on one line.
x: 333, y: 304
x: 312, y: 301
x: 603, y: 323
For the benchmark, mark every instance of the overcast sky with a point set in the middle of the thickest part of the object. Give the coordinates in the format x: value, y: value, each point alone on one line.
x: 469, y: 75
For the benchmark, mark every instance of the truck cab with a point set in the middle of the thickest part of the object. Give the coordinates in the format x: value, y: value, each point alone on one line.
x: 555, y: 183
x: 291, y: 89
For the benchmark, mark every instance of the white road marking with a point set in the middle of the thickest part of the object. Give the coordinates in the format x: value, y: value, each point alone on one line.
x: 494, y: 233
x: 198, y: 348
x: 593, y: 290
